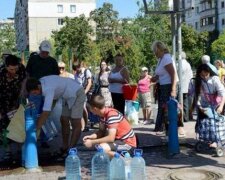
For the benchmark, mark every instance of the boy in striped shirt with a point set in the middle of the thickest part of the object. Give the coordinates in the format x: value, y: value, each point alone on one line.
x: 115, y: 133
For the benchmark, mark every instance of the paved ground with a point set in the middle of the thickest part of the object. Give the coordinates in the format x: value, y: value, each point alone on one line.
x: 186, y: 165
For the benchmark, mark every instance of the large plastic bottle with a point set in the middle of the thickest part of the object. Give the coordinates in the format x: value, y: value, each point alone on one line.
x: 100, y: 165
x: 137, y: 166
x: 72, y: 166
x: 127, y: 161
x: 117, y: 168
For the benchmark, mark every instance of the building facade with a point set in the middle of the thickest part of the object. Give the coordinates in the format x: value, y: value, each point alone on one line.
x: 45, y: 16
x: 207, y: 15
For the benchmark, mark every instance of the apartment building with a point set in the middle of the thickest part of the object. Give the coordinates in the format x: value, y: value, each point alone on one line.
x: 9, y: 21
x: 44, y: 16
x: 207, y: 15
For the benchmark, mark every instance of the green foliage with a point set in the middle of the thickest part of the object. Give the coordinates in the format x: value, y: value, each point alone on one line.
x: 131, y: 37
x: 194, y: 44
x: 74, y: 35
x: 106, y: 20
x: 218, y: 47
x: 7, y: 38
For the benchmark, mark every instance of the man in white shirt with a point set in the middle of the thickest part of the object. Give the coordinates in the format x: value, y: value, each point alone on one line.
x: 54, y: 87
x: 187, y: 74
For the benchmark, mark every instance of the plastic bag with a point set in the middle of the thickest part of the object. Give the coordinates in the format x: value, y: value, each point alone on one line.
x: 16, y: 126
x: 131, y: 111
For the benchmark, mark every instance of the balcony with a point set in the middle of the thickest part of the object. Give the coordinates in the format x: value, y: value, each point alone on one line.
x: 207, y: 12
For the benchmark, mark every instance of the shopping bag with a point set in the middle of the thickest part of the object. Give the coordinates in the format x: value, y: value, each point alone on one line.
x: 131, y: 111
x: 16, y: 126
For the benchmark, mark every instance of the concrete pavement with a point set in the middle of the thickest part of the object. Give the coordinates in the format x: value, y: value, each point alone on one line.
x: 184, y: 166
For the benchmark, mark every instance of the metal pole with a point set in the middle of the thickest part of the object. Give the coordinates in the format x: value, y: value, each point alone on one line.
x: 173, y: 30
x: 179, y: 46
x: 179, y: 40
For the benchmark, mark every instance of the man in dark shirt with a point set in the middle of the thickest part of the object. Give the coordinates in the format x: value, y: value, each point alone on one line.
x: 42, y: 64
x: 12, y: 76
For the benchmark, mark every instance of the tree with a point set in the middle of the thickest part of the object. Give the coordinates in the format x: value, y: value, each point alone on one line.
x: 75, y: 35
x: 218, y: 47
x: 7, y: 38
x: 106, y: 20
x: 193, y: 43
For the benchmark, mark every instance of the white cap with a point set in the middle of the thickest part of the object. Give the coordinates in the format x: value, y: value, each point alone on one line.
x: 45, y: 46
x: 205, y: 59
x: 61, y: 64
x: 144, y: 69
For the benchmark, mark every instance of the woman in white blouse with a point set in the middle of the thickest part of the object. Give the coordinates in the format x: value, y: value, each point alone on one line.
x: 166, y: 76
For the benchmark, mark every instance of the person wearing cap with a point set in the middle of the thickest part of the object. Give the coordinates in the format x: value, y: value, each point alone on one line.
x: 187, y: 75
x: 144, y: 95
x: 62, y: 70
x: 42, y: 64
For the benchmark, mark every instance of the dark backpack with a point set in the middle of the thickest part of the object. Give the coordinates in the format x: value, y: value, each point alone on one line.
x: 91, y: 90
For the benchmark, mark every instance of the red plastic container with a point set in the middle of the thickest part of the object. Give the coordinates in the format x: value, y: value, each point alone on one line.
x: 130, y: 92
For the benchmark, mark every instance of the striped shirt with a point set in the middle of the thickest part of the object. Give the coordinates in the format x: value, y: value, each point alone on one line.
x: 113, y: 119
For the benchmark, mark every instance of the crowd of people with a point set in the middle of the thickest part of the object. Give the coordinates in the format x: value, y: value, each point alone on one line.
x: 82, y: 92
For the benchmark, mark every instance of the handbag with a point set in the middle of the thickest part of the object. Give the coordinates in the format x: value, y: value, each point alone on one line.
x: 16, y: 126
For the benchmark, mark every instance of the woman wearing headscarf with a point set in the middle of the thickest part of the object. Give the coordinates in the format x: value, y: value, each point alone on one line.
x: 209, y: 95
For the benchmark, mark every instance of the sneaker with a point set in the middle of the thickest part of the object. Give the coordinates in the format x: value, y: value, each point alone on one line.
x: 159, y: 133
x: 146, y: 122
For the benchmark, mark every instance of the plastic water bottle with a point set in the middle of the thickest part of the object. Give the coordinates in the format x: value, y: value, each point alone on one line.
x: 117, y: 168
x: 127, y: 161
x: 100, y: 165
x: 73, y: 170
x: 137, y: 166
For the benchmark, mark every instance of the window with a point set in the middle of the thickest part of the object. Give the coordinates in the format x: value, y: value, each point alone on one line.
x: 207, y: 21
x: 189, y: 13
x: 196, y: 25
x: 196, y: 10
x: 72, y: 8
x: 60, y: 8
x: 60, y: 21
x: 222, y: 4
x: 223, y: 21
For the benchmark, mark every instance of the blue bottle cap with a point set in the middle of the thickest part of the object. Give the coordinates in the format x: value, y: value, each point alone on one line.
x: 127, y: 155
x: 99, y: 148
x: 116, y: 155
x: 73, y: 151
x: 137, y: 154
x: 140, y: 151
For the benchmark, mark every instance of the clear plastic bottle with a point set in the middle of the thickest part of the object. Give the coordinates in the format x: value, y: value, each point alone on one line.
x: 72, y: 166
x: 137, y: 166
x: 100, y: 165
x: 117, y: 168
x: 127, y: 161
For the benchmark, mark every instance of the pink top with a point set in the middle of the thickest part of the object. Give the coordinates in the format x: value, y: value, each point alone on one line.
x: 143, y: 85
